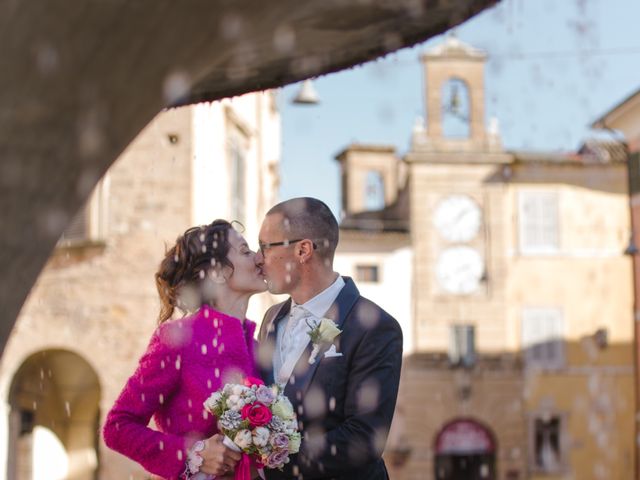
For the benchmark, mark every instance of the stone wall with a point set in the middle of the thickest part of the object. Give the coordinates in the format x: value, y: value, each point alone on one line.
x: 97, y: 298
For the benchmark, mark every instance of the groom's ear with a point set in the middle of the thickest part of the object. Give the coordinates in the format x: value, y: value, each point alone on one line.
x: 304, y: 250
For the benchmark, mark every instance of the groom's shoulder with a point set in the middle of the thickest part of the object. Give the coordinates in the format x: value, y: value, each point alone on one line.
x: 273, y: 310
x: 371, y: 315
x: 270, y: 314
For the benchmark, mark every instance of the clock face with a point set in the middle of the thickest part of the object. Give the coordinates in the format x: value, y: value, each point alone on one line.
x: 457, y: 218
x: 459, y: 270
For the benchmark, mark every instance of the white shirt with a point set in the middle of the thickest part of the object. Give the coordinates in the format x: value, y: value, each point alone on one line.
x: 292, y: 336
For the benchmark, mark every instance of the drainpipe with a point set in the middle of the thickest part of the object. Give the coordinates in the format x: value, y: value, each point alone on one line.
x: 632, y: 251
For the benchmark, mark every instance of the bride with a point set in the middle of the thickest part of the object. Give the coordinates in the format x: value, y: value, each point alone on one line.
x: 211, y: 273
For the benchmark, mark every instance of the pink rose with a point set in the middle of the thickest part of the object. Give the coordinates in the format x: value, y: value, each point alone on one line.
x: 277, y: 458
x: 251, y: 381
x: 265, y: 395
x: 280, y: 440
x: 257, y: 413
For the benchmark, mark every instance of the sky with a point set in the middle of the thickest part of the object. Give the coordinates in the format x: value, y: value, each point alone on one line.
x: 554, y: 66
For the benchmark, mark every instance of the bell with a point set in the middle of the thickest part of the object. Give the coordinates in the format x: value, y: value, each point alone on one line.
x: 307, y: 94
x: 454, y: 100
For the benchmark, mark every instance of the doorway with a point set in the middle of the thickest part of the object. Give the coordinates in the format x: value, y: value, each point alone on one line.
x: 53, y: 419
x: 465, y: 450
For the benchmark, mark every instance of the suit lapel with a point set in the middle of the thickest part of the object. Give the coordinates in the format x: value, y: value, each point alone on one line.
x: 338, y: 312
x: 272, y: 329
x: 267, y: 347
x: 347, y: 298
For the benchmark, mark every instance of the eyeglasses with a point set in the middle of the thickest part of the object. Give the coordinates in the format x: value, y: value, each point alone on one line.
x: 285, y: 243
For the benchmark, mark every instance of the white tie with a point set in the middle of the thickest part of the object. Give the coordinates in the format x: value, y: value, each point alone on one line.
x: 291, y: 341
x: 291, y: 330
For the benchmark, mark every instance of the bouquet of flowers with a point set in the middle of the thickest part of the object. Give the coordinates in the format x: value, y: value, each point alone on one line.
x: 257, y: 420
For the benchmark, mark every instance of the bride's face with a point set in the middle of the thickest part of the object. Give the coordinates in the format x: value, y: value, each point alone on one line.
x: 246, y: 276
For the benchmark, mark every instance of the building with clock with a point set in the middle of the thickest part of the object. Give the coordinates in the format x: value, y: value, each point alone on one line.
x: 508, y: 273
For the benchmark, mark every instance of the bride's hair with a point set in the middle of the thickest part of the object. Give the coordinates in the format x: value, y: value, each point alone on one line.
x: 199, y: 253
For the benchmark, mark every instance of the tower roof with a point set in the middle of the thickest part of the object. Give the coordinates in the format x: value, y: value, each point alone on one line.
x: 453, y: 47
x: 392, y: 218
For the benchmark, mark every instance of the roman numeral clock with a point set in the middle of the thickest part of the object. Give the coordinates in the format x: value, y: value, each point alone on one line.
x: 459, y: 268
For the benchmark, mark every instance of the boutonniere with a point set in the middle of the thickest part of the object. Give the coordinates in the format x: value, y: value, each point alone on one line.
x: 321, y: 334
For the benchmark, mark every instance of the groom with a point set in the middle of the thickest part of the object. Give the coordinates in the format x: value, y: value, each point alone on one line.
x: 343, y: 386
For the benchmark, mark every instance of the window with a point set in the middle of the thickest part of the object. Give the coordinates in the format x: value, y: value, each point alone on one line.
x: 237, y: 152
x: 374, y: 191
x: 546, y: 440
x: 367, y: 273
x: 90, y: 223
x: 538, y: 223
x: 542, y: 338
x: 462, y: 350
x: 77, y: 230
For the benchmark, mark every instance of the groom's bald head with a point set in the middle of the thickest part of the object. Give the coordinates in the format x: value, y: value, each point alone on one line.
x: 307, y: 217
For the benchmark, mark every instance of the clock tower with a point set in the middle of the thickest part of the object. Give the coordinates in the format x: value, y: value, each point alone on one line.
x: 457, y: 186
x: 460, y: 234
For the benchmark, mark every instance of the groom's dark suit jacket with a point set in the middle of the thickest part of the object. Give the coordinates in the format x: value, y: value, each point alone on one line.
x: 344, y: 404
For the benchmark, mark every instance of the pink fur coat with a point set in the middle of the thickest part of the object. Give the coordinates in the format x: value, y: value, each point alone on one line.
x: 186, y: 361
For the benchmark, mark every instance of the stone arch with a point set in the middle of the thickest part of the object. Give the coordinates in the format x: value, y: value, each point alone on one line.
x: 54, y: 392
x: 465, y: 449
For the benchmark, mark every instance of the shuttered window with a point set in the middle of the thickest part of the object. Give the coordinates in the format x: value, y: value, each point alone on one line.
x: 237, y: 152
x: 547, y: 443
x: 462, y: 349
x: 77, y: 230
x: 543, y: 337
x: 90, y: 222
x: 368, y: 273
x: 539, y: 229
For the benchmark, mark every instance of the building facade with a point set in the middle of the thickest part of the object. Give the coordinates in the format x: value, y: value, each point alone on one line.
x: 624, y: 120
x: 90, y: 315
x: 520, y: 362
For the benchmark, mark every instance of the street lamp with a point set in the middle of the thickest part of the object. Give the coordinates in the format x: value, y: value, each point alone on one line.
x: 307, y: 94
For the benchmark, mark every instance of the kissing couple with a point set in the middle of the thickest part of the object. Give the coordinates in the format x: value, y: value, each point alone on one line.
x: 343, y: 389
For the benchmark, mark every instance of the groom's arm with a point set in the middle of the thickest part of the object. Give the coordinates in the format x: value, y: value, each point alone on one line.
x: 370, y: 401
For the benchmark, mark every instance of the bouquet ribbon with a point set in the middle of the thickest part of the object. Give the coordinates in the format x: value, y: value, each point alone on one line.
x: 243, y: 467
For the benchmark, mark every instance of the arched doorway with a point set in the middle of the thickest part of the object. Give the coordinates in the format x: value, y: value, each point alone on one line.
x: 465, y: 450
x: 53, y: 419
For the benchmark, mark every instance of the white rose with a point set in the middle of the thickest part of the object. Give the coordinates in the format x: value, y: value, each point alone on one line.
x: 291, y: 426
x: 243, y: 439
x: 238, y: 389
x: 283, y: 408
x: 212, y: 402
x: 327, y: 330
x: 260, y: 436
x: 249, y: 396
x: 294, y: 442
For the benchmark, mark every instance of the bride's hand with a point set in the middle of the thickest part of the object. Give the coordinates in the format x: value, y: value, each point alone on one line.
x: 216, y: 458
